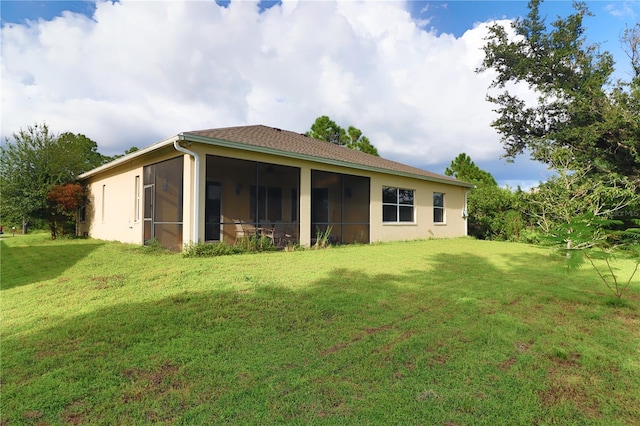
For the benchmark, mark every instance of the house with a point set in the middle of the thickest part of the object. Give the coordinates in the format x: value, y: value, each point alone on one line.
x: 221, y: 184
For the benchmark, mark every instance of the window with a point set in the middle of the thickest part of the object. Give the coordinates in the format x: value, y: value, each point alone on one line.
x: 266, y: 201
x: 438, y: 207
x: 104, y: 194
x: 136, y: 207
x: 397, y: 205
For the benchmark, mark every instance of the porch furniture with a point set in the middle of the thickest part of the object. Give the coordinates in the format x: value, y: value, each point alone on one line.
x: 266, y: 229
x: 282, y: 235
x: 243, y: 229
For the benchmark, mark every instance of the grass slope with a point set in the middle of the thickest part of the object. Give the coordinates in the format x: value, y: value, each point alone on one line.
x: 453, y: 332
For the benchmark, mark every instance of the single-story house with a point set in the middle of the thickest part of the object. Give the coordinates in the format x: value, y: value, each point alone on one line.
x: 222, y: 184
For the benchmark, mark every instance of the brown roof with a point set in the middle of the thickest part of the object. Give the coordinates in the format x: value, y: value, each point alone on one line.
x: 291, y: 144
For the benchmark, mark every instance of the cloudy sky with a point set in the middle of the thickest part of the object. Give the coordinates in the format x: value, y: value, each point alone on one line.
x: 131, y: 73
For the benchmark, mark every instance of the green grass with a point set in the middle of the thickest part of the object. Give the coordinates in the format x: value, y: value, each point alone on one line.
x: 437, y: 332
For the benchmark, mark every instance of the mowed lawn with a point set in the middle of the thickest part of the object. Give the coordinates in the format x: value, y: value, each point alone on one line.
x: 438, y: 332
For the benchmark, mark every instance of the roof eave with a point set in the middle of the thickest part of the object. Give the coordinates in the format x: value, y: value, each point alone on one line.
x: 273, y: 151
x: 186, y: 136
x: 129, y: 157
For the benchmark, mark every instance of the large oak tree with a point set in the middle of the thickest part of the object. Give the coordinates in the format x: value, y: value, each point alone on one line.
x: 579, y: 110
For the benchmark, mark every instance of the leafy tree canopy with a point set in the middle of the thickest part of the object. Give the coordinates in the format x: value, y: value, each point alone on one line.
x: 64, y: 200
x: 34, y: 162
x: 327, y: 130
x: 578, y: 108
x: 493, y: 211
x: 126, y: 152
x: 463, y: 168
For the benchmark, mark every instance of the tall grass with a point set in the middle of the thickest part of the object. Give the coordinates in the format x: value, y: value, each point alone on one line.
x: 429, y: 332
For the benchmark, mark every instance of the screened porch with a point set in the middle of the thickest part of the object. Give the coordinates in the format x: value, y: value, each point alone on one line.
x: 245, y: 198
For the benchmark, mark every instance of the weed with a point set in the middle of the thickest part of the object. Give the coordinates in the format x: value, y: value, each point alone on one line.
x: 323, y: 238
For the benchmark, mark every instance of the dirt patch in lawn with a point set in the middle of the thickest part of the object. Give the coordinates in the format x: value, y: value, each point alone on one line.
x: 505, y: 365
x: 570, y: 389
x: 75, y: 414
x: 566, y: 385
x: 155, y: 384
x: 103, y: 282
x: 374, y: 330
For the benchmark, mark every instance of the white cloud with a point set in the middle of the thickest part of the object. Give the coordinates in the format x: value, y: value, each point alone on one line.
x: 142, y: 71
x: 622, y: 9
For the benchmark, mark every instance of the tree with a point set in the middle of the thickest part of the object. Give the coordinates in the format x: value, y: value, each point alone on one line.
x: 126, y: 152
x: 64, y: 201
x: 359, y: 142
x: 631, y: 45
x: 577, y: 109
x: 590, y: 237
x: 327, y: 130
x: 492, y: 210
x: 463, y: 168
x: 36, y: 161
x: 571, y: 193
x: 25, y: 175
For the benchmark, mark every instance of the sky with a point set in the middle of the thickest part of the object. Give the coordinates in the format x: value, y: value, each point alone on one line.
x: 131, y: 73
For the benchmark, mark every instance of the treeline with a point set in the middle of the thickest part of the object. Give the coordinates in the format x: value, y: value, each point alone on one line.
x: 511, y: 214
x: 584, y: 126
x: 38, y: 172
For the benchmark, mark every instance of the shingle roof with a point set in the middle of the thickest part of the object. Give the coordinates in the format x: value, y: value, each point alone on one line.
x: 293, y: 144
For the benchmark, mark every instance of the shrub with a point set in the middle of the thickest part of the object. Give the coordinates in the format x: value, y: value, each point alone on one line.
x: 253, y: 244
x: 153, y: 246
x: 530, y: 236
x: 210, y: 250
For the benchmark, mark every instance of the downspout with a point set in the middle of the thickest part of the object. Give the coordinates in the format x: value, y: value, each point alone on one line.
x: 196, y: 182
x: 465, y: 214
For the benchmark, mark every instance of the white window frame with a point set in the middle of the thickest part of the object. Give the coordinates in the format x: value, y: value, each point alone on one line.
x: 442, y: 208
x: 398, y: 204
x: 104, y: 196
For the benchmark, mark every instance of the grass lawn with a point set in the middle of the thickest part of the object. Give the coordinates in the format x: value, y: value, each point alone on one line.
x: 439, y: 332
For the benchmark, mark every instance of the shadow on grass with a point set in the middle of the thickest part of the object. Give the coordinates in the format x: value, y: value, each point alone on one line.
x: 23, y: 265
x: 351, y: 347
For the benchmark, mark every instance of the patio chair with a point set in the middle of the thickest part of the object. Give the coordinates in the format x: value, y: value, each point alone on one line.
x: 281, y: 234
x: 266, y: 229
x: 243, y: 229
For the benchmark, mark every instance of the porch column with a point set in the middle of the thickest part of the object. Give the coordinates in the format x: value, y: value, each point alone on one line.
x: 305, y: 206
x: 187, y: 200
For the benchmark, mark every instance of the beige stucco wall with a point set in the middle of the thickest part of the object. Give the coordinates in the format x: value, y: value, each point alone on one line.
x: 111, y: 212
x: 119, y: 204
x: 422, y: 228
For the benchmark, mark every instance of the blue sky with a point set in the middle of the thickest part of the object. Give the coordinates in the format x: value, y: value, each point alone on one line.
x: 132, y: 73
x: 452, y: 16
